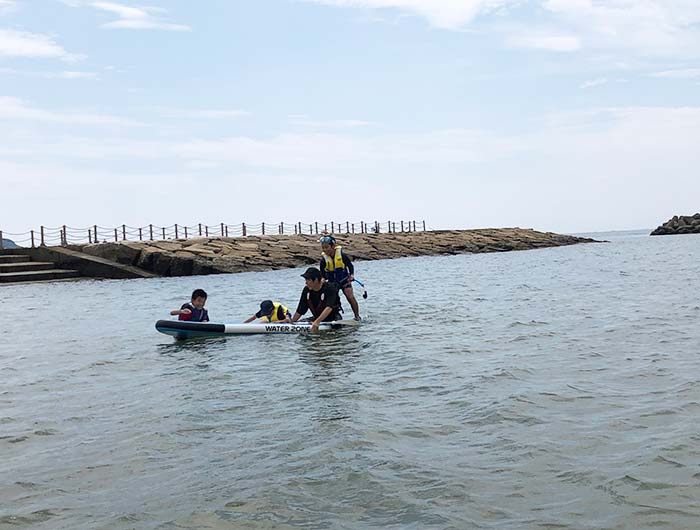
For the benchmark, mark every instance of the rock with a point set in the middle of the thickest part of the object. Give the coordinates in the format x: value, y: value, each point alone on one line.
x: 683, y: 224
x: 8, y: 243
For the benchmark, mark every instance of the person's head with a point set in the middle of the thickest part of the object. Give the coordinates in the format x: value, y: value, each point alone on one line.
x: 266, y: 308
x: 199, y: 298
x: 328, y: 244
x: 313, y: 278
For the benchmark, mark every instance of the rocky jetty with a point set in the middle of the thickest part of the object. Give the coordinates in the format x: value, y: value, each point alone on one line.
x: 256, y: 253
x: 679, y: 224
x: 8, y: 243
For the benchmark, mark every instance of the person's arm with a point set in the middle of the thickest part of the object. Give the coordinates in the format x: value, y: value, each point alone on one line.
x: 302, y: 307
x: 184, y: 310
x: 250, y: 319
x: 296, y: 316
x: 322, y: 268
x: 347, y: 261
x: 282, y: 316
x: 324, y: 314
x: 205, y: 315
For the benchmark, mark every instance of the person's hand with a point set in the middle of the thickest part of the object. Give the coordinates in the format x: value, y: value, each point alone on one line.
x: 351, y: 278
x: 314, y: 326
x: 186, y: 311
x: 286, y: 320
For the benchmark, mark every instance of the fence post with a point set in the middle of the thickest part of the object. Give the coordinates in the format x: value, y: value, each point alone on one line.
x: 393, y: 227
x: 423, y: 225
x: 116, y: 235
x: 65, y: 235
x: 123, y: 232
x: 332, y: 227
x: 325, y: 227
x: 150, y: 227
x: 206, y: 230
x: 185, y: 232
x: 2, y: 246
x: 222, y: 229
x: 42, y: 236
x: 89, y: 236
x: 243, y: 229
x: 200, y: 229
x: 362, y: 227
x: 311, y: 229
x: 299, y: 227
x: 316, y: 223
x: 263, y: 229
x: 96, y: 240
x: 163, y: 228
x: 353, y: 228
x: 282, y: 228
x: 226, y: 230
x: 176, y: 231
x: 32, y: 233
x: 140, y: 234
x: 376, y: 227
x: 402, y: 226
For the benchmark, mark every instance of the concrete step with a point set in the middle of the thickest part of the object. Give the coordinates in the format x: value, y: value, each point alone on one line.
x: 13, y: 258
x: 27, y: 266
x: 33, y: 276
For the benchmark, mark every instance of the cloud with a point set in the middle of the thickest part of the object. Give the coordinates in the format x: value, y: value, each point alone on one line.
x: 446, y: 14
x: 15, y: 43
x: 15, y: 109
x: 7, y: 6
x: 204, y: 114
x: 681, y: 73
x: 555, y: 43
x: 136, y: 17
x: 594, y: 82
x: 66, y: 74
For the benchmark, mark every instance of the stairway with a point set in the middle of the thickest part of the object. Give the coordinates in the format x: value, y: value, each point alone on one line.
x: 17, y: 267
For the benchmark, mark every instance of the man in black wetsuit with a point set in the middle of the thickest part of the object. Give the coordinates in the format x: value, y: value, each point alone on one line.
x: 319, y: 297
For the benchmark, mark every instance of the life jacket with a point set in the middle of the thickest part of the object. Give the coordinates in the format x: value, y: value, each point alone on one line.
x: 273, y: 317
x: 197, y: 315
x: 336, y: 271
x: 316, y: 310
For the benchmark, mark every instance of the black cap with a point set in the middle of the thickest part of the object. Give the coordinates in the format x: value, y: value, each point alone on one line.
x: 312, y: 273
x: 267, y: 307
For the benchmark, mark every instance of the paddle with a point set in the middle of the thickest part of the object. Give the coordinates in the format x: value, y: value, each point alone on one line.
x: 364, y: 294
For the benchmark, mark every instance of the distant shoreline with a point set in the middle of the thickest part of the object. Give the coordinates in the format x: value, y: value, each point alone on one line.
x: 216, y: 255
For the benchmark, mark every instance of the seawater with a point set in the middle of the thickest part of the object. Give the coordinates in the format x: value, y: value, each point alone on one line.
x: 554, y: 388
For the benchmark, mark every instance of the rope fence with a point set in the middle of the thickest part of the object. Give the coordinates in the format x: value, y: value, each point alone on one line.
x: 66, y: 235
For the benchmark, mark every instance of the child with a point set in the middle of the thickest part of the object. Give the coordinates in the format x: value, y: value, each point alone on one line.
x: 194, y: 311
x: 336, y: 266
x: 271, y: 312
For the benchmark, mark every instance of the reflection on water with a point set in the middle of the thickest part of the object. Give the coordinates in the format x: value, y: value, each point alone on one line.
x: 548, y: 389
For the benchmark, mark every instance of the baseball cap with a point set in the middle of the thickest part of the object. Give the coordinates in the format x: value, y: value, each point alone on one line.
x: 312, y: 273
x: 267, y: 307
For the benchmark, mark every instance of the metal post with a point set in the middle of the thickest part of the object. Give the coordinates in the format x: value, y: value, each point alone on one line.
x: 423, y: 225
x: 32, y: 232
x: 402, y: 226
x: 362, y: 227
x: 414, y: 226
x: 42, y: 237
x: 295, y: 229
x: 185, y: 232
x: 151, y: 229
x: 325, y: 227
x: 263, y: 229
x: 206, y: 230
x: 376, y: 227
x: 332, y: 227
x: 89, y: 236
x: 65, y: 235
x: 123, y: 232
x: 2, y: 246
x: 222, y: 229
x: 200, y: 229
x: 140, y: 234
x: 316, y: 223
x: 116, y: 235
x: 243, y: 229
x: 353, y: 228
x: 226, y: 230
x: 176, y: 234
x: 282, y: 228
x: 163, y: 233
x: 311, y: 229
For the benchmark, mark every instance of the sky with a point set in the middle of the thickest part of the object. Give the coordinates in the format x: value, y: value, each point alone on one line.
x: 559, y: 115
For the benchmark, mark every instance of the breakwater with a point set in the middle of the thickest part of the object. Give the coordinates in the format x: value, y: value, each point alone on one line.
x: 683, y: 224
x: 212, y: 255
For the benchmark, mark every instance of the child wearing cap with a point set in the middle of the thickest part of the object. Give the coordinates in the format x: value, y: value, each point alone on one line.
x: 271, y: 312
x: 336, y: 266
x: 194, y: 310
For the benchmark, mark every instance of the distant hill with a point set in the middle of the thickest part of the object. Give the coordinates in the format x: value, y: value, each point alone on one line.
x: 8, y: 243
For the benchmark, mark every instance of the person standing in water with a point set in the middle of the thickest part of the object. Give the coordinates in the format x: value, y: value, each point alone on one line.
x: 320, y: 297
x: 336, y: 266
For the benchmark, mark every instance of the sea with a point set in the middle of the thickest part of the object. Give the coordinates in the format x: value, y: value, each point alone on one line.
x: 546, y: 389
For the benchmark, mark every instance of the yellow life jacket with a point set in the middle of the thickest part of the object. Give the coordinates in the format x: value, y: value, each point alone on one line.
x: 336, y: 262
x: 273, y: 317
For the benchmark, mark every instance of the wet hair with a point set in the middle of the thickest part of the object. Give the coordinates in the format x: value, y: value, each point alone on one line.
x: 199, y: 293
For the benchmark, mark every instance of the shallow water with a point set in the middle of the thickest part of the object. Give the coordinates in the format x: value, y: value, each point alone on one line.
x: 555, y: 388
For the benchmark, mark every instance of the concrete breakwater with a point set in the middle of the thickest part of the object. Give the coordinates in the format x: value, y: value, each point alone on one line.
x: 256, y: 253
x: 683, y: 224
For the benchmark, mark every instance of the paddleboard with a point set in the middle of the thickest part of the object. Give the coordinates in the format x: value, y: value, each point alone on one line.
x: 182, y: 329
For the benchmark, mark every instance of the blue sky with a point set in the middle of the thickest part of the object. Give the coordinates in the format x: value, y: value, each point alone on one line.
x: 563, y: 115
